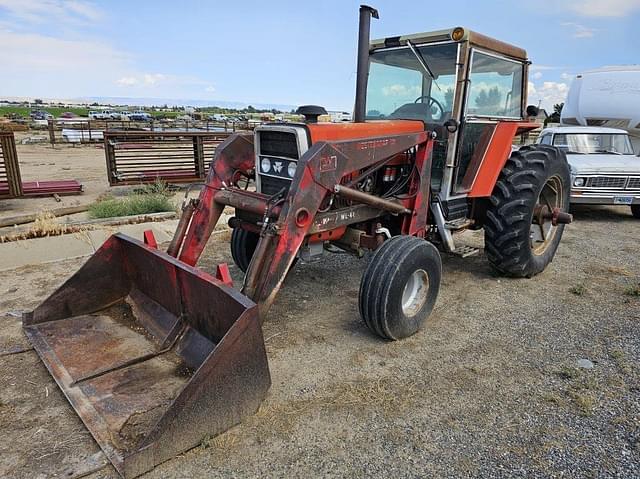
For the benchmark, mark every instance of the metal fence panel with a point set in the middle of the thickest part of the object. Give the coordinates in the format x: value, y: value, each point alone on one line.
x: 145, y: 157
x: 10, y: 182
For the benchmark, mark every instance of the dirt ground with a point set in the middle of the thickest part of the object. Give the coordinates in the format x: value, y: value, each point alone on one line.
x: 491, y: 387
x: 85, y: 163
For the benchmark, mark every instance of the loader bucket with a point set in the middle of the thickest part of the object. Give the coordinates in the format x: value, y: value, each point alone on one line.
x: 152, y: 354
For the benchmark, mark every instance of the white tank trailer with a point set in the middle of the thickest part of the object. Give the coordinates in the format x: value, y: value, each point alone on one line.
x: 609, y: 97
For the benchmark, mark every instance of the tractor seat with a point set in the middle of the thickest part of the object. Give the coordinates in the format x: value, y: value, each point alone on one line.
x: 422, y: 112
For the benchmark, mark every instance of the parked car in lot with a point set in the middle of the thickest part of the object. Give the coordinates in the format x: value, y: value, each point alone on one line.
x: 217, y: 117
x: 40, y: 115
x: 67, y: 115
x: 604, y: 168
x: 139, y: 115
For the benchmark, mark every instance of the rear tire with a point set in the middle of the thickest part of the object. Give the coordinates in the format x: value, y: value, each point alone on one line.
x: 243, y: 245
x: 400, y: 286
x: 514, y: 244
x: 635, y: 211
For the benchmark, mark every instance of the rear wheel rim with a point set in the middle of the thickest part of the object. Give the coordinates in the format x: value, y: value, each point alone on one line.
x: 415, y: 292
x: 542, y: 232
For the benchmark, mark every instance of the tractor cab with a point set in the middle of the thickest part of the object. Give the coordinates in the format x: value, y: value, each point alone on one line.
x: 460, y: 84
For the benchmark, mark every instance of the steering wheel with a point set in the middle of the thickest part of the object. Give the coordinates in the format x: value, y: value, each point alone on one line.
x: 430, y: 103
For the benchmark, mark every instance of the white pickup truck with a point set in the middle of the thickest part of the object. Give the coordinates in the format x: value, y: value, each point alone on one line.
x: 102, y: 115
x: 604, y: 169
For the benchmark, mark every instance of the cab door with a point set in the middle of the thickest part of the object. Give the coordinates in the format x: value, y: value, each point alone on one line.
x: 493, y: 93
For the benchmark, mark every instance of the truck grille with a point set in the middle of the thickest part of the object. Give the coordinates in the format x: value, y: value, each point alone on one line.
x: 607, y: 182
x: 634, y: 184
x: 279, y: 149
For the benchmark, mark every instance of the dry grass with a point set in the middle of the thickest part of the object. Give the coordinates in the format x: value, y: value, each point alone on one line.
x: 385, y: 395
x: 224, y: 441
x: 619, y: 271
x: 46, y: 224
x: 579, y: 289
x: 633, y: 290
x: 584, y: 402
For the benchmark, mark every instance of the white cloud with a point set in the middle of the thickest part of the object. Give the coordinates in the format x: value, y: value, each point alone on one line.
x: 547, y: 94
x: 401, y: 90
x: 148, y: 81
x: 34, y: 54
x: 52, y: 11
x: 537, y: 75
x: 579, y: 31
x: 72, y: 64
x: 538, y: 68
x: 152, y: 79
x: 566, y: 76
x: 603, y: 8
x: 127, y: 81
x: 35, y: 64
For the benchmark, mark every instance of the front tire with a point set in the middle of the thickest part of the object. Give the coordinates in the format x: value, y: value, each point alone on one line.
x: 400, y: 286
x: 517, y: 242
x: 635, y: 211
x: 243, y: 245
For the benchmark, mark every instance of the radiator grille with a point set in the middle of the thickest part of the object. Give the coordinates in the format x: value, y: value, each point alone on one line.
x: 634, y: 184
x: 279, y: 144
x: 607, y: 182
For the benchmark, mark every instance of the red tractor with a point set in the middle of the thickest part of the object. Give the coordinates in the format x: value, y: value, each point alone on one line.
x: 429, y: 154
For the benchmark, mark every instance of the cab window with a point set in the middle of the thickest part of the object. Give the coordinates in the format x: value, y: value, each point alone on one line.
x: 495, y: 87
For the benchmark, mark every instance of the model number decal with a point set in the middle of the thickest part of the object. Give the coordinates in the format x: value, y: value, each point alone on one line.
x: 328, y: 163
x: 372, y: 144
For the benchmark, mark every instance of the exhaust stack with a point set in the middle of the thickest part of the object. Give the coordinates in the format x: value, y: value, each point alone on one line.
x: 362, y: 74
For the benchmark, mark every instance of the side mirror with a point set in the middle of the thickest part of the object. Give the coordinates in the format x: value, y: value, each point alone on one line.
x: 532, y: 110
x: 451, y: 125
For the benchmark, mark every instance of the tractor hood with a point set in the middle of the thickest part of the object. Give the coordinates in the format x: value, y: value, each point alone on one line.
x: 369, y: 129
x: 604, y: 163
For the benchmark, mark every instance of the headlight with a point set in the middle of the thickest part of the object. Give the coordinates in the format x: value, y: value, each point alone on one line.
x: 291, y: 169
x: 578, y: 182
x: 265, y: 165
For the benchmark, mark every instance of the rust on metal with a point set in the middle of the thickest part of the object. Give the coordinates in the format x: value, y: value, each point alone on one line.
x: 371, y: 200
x: 542, y: 214
x: 135, y: 157
x: 10, y: 182
x: 152, y: 354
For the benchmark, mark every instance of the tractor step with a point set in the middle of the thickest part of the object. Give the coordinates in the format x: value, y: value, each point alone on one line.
x: 465, y: 251
x: 459, y: 224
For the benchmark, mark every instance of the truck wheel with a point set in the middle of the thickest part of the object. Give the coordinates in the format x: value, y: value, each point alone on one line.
x: 635, y: 211
x: 518, y: 241
x: 400, y: 286
x: 243, y: 245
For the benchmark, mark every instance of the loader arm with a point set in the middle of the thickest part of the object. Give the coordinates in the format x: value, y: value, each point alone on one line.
x: 287, y: 222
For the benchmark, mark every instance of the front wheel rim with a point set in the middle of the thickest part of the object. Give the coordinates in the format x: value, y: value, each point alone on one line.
x: 415, y: 292
x: 543, y: 231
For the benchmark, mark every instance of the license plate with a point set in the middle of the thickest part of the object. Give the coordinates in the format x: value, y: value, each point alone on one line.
x: 622, y: 200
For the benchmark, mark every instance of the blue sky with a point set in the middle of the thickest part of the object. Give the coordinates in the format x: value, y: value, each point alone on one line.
x: 285, y: 52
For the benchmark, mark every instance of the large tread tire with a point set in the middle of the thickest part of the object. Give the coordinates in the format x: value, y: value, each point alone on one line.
x: 384, y: 281
x: 635, y: 211
x: 243, y: 245
x: 510, y: 213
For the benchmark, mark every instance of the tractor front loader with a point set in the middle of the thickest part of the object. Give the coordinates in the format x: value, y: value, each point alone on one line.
x: 155, y: 354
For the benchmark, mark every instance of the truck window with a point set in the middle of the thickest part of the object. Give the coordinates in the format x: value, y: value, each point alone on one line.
x: 545, y: 139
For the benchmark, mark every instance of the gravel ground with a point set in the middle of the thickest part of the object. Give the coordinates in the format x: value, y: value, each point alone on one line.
x: 490, y: 388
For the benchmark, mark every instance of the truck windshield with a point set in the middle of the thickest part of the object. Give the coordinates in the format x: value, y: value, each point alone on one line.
x: 399, y: 87
x: 589, y: 143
